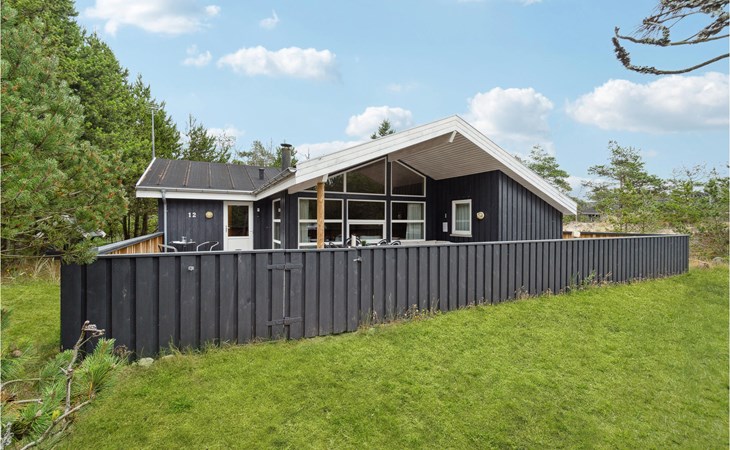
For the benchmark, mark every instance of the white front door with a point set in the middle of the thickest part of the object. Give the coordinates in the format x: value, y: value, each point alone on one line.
x: 238, y: 226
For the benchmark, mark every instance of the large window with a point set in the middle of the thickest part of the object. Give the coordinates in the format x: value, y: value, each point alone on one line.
x: 461, y: 217
x: 276, y: 223
x: 406, y: 181
x: 366, y: 220
x: 308, y: 221
x: 408, y: 221
x: 366, y: 179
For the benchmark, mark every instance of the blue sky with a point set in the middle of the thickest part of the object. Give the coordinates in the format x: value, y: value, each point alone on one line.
x: 322, y: 75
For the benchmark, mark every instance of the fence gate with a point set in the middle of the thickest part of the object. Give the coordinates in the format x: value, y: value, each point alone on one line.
x: 286, y: 276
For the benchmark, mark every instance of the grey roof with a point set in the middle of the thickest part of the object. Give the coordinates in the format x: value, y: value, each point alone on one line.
x: 179, y: 174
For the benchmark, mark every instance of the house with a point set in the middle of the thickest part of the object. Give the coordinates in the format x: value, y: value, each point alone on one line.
x: 443, y: 181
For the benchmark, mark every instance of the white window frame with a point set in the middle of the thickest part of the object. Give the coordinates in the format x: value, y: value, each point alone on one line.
x: 454, y: 231
x: 344, y: 180
x: 392, y: 185
x: 276, y: 243
x: 406, y: 221
x: 364, y: 221
x: 314, y: 221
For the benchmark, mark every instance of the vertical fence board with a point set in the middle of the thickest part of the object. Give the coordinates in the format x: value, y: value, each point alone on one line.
x: 325, y: 292
x: 412, y: 277
x: 122, y: 302
x: 479, y: 277
x: 209, y: 300
x: 423, y: 284
x: 488, y: 281
x: 145, y: 308
x: 366, y: 285
x: 453, y: 277
x: 470, y: 270
x: 461, y: 270
x: 401, y: 281
x: 169, y: 305
x: 71, y: 304
x: 189, y: 305
x: 227, y: 311
x: 504, y: 272
x: 278, y: 277
x: 378, y: 284
x: 246, y: 292
x: 296, y: 295
x: 339, y: 293
x: 311, y: 294
x: 433, y: 278
x: 390, y: 283
x: 97, y: 298
x: 353, y: 290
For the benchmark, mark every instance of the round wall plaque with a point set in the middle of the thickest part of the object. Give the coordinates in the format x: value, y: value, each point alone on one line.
x: 480, y: 215
x: 209, y: 214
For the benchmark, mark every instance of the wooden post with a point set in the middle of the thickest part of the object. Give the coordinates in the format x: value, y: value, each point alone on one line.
x: 320, y: 215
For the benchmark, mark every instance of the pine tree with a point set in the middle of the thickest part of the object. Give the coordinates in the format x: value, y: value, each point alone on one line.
x: 57, y: 188
x: 624, y: 192
x: 548, y: 168
x: 202, y: 146
x: 383, y: 130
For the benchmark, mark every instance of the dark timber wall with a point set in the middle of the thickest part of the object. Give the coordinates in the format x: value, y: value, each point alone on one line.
x: 187, y: 218
x: 147, y: 302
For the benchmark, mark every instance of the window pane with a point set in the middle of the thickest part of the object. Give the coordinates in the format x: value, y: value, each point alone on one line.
x: 277, y: 210
x: 405, y: 231
x: 308, y: 209
x: 462, y: 220
x: 407, y: 211
x: 367, y: 232
x: 406, y: 181
x: 368, y: 179
x: 277, y: 230
x: 308, y: 232
x: 333, y: 184
x: 237, y: 220
x: 365, y: 210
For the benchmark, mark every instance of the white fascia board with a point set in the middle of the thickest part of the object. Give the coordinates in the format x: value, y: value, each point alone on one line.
x: 359, y: 154
x: 559, y: 200
x: 149, y: 166
x: 196, y: 194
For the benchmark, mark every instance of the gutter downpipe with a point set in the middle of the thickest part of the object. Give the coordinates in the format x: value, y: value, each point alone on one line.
x: 164, y: 220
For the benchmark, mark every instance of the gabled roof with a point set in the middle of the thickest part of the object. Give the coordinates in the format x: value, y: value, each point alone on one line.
x: 178, y: 175
x: 447, y: 148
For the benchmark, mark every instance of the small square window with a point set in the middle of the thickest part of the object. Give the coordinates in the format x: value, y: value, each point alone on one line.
x: 461, y: 217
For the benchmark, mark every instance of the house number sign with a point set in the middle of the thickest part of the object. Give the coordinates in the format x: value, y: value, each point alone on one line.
x: 192, y: 215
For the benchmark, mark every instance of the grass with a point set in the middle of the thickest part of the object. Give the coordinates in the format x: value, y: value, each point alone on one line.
x: 35, y: 311
x: 640, y: 365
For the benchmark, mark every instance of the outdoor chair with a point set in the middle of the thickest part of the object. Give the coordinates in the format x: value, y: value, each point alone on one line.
x: 164, y: 247
x: 214, y: 244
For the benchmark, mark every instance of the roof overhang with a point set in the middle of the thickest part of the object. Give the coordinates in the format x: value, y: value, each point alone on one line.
x: 447, y: 148
x: 194, y: 194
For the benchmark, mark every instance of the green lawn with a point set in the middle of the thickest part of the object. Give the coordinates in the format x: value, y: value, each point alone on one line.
x: 641, y: 365
x: 35, y: 311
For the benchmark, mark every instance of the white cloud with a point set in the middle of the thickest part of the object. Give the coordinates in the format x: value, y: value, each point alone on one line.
x: 515, y: 118
x: 399, y: 88
x: 212, y: 10
x: 156, y: 16
x: 196, y: 58
x: 228, y: 130
x: 674, y: 103
x: 363, y: 125
x: 323, y: 148
x: 293, y: 62
x: 270, y: 23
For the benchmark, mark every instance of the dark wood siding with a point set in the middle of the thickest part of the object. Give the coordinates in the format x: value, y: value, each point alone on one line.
x: 511, y: 211
x: 262, y: 224
x: 524, y: 215
x: 181, y: 223
x: 481, y: 188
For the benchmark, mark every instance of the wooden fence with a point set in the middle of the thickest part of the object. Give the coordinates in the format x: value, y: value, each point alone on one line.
x: 147, y: 302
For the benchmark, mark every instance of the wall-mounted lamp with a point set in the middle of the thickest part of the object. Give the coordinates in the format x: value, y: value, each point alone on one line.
x: 209, y: 214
